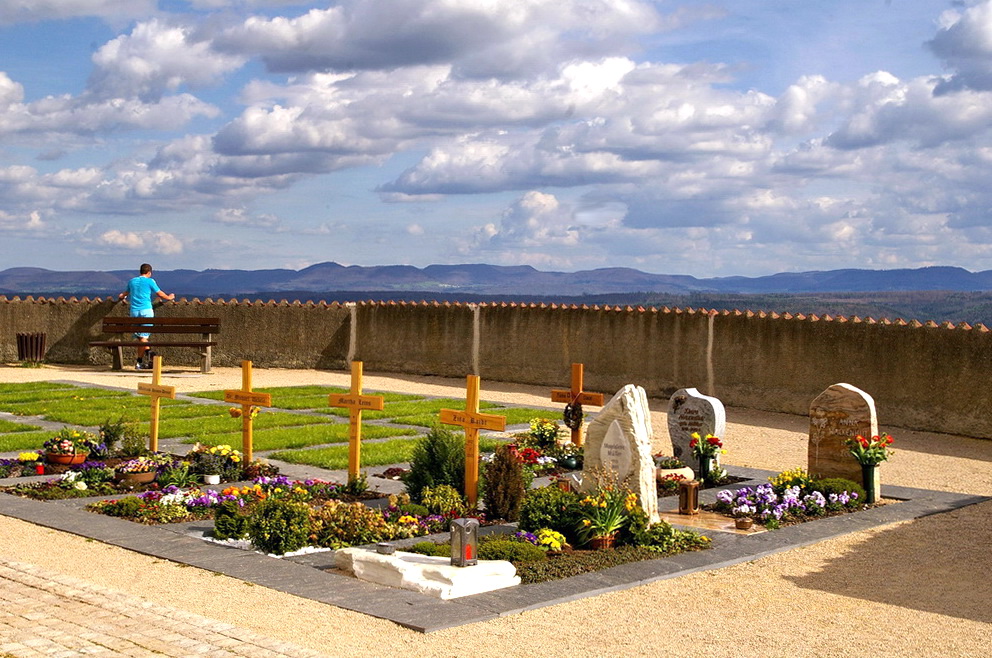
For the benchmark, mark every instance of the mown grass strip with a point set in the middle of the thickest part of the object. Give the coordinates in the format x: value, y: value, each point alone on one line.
x: 282, y: 438
x: 33, y: 403
x: 10, y: 426
x: 22, y: 387
x: 373, y: 454
x: 307, y: 397
x: 222, y: 422
x: 24, y: 440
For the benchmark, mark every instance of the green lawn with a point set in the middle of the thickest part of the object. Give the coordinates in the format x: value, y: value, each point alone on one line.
x: 373, y: 454
x: 23, y: 440
x: 11, y: 426
x: 221, y: 422
x: 282, y: 438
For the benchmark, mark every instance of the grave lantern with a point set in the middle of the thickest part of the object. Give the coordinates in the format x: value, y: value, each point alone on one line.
x: 464, y: 542
x: 688, y: 497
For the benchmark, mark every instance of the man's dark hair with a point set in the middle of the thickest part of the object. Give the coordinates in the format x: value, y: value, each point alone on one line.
x: 145, y: 268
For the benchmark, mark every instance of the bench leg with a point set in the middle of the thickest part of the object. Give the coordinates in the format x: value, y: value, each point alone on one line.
x: 117, y: 354
x: 205, y: 360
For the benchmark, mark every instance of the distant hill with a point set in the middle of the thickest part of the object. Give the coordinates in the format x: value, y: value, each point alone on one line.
x: 479, y: 279
x: 931, y: 293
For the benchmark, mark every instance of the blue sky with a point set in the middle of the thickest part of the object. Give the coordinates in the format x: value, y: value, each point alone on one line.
x: 733, y: 137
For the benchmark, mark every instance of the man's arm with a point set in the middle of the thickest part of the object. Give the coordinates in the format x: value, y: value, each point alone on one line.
x: 168, y: 298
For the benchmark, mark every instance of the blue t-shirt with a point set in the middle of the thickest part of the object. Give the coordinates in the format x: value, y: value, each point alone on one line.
x: 140, y: 290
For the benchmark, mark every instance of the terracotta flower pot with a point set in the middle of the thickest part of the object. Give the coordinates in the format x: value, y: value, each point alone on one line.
x: 75, y: 458
x: 136, y: 478
x: 599, y: 543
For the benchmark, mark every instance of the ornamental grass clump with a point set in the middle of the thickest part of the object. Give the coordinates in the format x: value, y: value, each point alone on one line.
x: 604, y: 512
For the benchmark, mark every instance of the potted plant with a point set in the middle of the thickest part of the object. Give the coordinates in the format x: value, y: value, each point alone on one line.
x: 666, y: 467
x: 140, y: 470
x: 69, y: 446
x: 603, y: 513
x: 743, y: 515
x: 870, y: 453
x: 215, y: 463
x: 705, y: 449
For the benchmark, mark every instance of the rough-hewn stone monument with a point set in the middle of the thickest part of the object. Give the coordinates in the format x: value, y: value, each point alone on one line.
x: 619, y: 440
x: 839, y: 413
x: 690, y: 411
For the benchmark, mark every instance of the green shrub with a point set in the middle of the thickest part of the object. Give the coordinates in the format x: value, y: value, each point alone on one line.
x: 337, y: 525
x: 430, y: 548
x: 438, y: 458
x: 837, y: 486
x: 413, y: 509
x: 504, y: 485
x: 635, y: 527
x: 113, y: 432
x: 495, y: 547
x: 550, y: 507
x: 230, y: 521
x: 279, y: 526
x: 442, y: 499
x: 128, y: 507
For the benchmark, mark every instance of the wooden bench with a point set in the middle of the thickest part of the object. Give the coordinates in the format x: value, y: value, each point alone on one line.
x: 206, y: 327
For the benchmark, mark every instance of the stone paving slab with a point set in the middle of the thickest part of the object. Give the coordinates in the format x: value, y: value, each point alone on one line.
x: 310, y: 576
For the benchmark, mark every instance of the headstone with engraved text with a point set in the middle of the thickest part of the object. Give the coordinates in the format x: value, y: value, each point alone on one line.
x: 839, y: 413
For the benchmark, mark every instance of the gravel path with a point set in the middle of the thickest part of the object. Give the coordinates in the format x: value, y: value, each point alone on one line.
x: 905, y: 589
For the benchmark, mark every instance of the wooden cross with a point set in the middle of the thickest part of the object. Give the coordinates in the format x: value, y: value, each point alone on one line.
x: 577, y: 395
x: 247, y: 399
x: 156, y: 391
x: 472, y: 421
x: 355, y: 402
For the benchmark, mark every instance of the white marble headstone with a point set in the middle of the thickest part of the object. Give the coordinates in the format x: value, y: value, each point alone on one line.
x: 689, y: 411
x: 618, y: 440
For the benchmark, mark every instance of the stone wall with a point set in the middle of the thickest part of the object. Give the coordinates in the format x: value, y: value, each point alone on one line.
x: 922, y: 376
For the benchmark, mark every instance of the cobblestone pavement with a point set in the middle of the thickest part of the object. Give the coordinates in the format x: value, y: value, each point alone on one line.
x: 43, y: 613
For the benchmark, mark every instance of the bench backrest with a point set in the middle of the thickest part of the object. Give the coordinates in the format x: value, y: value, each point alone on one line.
x: 162, y: 325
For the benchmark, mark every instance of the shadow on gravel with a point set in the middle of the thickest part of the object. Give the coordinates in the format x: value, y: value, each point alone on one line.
x: 935, y: 564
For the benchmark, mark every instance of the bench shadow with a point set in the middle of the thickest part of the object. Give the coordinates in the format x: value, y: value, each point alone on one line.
x: 934, y: 564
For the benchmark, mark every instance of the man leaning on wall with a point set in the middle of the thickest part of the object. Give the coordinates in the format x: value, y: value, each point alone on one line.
x: 141, y: 291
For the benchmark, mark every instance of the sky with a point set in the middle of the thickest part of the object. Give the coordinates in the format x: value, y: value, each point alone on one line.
x: 731, y: 137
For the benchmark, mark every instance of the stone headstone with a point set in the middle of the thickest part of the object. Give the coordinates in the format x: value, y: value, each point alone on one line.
x: 689, y: 411
x: 618, y: 440
x: 839, y: 413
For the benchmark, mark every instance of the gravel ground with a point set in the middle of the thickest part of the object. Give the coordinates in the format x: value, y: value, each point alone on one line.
x: 906, y: 589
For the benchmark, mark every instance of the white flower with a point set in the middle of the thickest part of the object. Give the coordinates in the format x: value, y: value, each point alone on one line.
x: 80, y: 485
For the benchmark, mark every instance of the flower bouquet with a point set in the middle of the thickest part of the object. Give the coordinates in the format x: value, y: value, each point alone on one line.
x: 706, y: 449
x: 870, y: 452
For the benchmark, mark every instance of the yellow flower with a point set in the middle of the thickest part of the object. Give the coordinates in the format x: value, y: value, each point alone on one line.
x: 586, y: 522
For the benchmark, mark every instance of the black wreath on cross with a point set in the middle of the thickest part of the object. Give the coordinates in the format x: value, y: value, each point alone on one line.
x: 572, y: 416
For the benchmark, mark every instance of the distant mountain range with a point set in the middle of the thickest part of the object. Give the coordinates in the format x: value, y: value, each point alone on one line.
x: 478, y: 280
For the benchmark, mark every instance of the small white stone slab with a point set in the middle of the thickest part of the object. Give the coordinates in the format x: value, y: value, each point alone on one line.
x: 427, y: 574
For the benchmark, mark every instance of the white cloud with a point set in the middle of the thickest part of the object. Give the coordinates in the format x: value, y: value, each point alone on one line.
x: 158, y: 242
x: 155, y: 58
x: 482, y: 38
x: 964, y: 43
x: 535, y: 220
x: 20, y: 11
x: 241, y: 217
